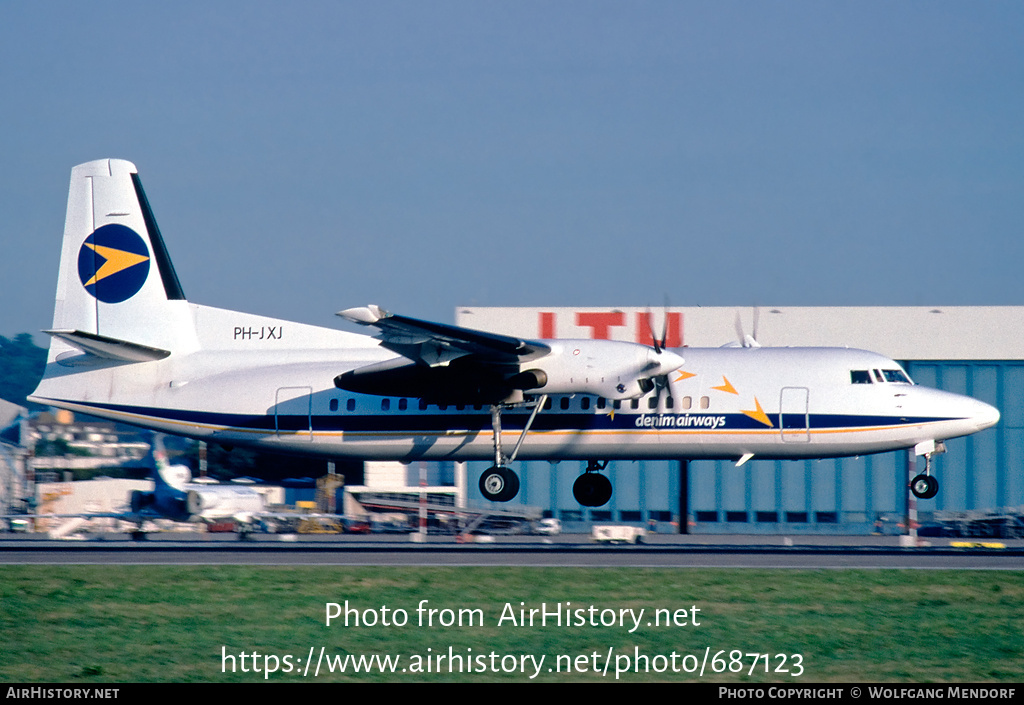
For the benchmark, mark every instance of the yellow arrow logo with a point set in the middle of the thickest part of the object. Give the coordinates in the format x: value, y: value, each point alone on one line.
x: 727, y: 387
x: 759, y: 415
x: 116, y: 261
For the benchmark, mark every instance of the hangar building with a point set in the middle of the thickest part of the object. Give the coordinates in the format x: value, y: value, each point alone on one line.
x: 976, y: 351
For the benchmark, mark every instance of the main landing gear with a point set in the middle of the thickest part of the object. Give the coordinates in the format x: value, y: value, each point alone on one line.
x: 592, y: 489
x: 926, y: 485
x: 498, y: 483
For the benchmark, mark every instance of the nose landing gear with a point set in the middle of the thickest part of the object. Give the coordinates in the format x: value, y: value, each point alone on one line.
x: 925, y: 485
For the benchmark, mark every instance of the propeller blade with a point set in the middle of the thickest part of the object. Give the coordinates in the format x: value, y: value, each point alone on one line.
x: 658, y: 342
x: 650, y: 329
x: 747, y: 341
x: 664, y: 324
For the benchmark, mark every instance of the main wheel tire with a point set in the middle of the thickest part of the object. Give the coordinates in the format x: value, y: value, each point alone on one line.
x: 592, y: 489
x: 499, y: 484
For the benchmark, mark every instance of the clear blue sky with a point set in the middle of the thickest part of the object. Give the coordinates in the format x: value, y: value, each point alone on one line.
x: 306, y: 157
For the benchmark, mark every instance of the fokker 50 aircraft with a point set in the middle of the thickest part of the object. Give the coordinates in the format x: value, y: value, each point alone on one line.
x: 127, y: 345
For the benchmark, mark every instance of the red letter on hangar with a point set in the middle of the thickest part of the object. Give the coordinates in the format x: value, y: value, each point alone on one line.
x: 600, y: 322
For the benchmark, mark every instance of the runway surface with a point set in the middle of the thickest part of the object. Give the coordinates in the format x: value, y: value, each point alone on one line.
x: 805, y: 553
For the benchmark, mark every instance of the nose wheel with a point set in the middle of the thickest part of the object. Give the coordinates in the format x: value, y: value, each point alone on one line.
x: 925, y: 485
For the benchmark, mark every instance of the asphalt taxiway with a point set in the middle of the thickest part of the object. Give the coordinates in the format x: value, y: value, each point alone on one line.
x: 807, y: 553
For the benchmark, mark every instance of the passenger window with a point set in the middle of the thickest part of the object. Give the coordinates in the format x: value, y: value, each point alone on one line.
x: 705, y: 402
x: 601, y: 402
x: 334, y: 404
x: 385, y: 404
x: 860, y: 377
x: 652, y: 403
x: 547, y: 404
x: 585, y: 403
x: 669, y: 402
x: 403, y: 404
x: 423, y: 404
x: 350, y: 405
x: 687, y: 402
x: 634, y: 404
x: 564, y: 403
x: 617, y: 404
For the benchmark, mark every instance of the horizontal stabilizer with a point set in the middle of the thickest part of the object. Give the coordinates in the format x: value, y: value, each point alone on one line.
x: 109, y: 348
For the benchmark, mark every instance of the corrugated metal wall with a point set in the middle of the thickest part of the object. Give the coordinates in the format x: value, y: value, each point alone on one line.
x: 847, y: 495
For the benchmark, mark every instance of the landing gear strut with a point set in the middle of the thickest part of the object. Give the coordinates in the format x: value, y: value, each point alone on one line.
x: 592, y: 489
x: 498, y: 483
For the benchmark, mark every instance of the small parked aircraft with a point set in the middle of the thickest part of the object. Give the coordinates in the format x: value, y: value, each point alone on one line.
x: 177, y: 498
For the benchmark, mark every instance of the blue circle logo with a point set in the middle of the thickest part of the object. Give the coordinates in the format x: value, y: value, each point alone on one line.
x: 113, y: 263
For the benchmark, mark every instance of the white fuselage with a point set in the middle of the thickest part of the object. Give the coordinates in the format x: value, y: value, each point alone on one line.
x: 262, y: 382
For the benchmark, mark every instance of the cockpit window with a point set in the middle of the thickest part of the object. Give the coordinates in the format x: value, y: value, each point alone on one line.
x: 898, y: 376
x: 879, y: 376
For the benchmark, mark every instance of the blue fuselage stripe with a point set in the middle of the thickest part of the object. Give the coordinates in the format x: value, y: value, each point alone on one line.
x: 415, y: 421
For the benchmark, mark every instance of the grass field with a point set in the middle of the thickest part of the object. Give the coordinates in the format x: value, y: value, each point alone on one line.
x: 175, y: 624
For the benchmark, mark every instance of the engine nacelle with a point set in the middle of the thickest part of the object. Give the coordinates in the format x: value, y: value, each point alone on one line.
x: 193, y: 502
x: 529, y: 379
x: 607, y: 368
x: 461, y: 381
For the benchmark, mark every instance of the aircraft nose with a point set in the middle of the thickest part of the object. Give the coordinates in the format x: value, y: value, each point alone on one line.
x: 985, y: 416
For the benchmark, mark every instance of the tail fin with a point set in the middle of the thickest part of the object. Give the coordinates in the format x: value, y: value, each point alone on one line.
x: 118, y: 295
x: 164, y: 474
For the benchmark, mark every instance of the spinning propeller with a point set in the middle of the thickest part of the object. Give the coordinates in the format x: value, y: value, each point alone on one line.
x: 743, y: 340
x: 661, y: 381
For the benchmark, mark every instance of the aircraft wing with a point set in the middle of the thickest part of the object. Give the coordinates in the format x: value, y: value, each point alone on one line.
x: 438, y: 343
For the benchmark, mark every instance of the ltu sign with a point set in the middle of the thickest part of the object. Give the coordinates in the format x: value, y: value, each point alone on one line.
x: 639, y: 325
